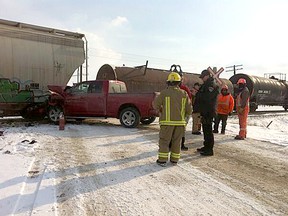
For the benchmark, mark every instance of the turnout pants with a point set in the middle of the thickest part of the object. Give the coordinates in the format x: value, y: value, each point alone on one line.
x: 174, y: 134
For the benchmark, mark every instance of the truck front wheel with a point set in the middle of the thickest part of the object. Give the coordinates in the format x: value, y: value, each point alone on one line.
x: 130, y: 117
x: 54, y: 113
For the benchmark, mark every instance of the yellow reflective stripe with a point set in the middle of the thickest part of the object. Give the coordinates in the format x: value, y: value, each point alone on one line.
x: 176, y: 123
x: 163, y: 154
x: 183, y: 108
x: 167, y: 106
x: 174, y: 155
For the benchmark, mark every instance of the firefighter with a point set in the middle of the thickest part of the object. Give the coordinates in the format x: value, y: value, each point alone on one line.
x: 207, y: 96
x: 225, y: 105
x: 174, y: 106
x: 242, y: 108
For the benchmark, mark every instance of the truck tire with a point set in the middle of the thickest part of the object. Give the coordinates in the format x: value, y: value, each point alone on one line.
x: 129, y: 117
x: 147, y: 121
x: 54, y: 113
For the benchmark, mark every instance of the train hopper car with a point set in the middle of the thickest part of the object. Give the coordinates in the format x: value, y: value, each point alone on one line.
x: 33, y: 57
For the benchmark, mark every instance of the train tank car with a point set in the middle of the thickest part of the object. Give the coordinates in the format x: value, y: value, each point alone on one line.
x: 264, y: 91
x: 143, y: 79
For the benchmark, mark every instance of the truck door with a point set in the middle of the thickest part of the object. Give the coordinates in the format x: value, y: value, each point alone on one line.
x: 85, y: 99
x: 96, y: 99
x: 75, y: 100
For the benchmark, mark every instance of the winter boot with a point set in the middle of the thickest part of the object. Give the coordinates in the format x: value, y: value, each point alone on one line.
x: 161, y: 163
x: 239, y: 137
x: 183, y: 147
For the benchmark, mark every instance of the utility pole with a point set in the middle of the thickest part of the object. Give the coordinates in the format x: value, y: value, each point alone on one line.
x: 234, y: 68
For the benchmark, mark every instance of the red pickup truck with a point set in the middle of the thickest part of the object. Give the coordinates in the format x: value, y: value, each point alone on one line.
x: 101, y: 98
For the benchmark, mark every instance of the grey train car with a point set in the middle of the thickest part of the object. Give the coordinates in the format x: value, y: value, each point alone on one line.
x: 264, y: 91
x: 143, y: 79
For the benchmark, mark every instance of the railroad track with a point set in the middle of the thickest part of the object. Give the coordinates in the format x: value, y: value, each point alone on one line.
x: 20, y: 120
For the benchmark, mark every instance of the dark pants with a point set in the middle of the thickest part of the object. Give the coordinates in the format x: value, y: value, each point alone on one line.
x: 223, y: 118
x: 208, y: 134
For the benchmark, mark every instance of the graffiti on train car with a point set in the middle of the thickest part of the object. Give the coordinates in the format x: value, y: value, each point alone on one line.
x: 24, y: 102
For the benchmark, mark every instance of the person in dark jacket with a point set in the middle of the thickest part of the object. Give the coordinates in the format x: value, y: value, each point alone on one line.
x: 207, y: 96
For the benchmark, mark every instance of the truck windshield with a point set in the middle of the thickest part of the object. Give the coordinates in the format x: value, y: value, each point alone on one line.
x: 80, y: 89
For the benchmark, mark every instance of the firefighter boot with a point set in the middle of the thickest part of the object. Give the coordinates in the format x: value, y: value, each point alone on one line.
x: 183, y: 147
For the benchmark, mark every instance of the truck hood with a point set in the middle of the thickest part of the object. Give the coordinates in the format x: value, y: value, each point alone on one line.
x: 57, y: 89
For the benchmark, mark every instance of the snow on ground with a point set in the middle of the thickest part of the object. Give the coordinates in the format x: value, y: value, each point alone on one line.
x: 105, y: 169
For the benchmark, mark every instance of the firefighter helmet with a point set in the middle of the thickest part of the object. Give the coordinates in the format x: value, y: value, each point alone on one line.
x: 241, y: 80
x: 174, y: 77
x: 224, y: 87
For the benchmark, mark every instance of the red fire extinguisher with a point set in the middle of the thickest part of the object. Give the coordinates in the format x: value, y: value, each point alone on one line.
x: 61, y: 121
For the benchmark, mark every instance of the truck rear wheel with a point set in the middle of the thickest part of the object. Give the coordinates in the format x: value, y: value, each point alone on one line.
x: 54, y: 113
x: 129, y: 117
x: 148, y: 120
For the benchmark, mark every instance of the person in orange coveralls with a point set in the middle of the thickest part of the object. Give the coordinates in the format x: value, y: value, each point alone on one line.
x: 225, y: 105
x: 242, y: 108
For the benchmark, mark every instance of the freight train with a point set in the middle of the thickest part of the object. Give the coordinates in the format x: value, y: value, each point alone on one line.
x: 264, y: 91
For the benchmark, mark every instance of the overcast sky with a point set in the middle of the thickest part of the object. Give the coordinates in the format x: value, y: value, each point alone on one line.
x: 193, y: 33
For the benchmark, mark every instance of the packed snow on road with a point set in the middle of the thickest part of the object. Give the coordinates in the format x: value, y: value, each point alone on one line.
x: 99, y: 167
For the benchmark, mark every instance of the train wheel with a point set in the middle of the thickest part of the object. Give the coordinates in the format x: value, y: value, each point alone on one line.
x: 253, y: 107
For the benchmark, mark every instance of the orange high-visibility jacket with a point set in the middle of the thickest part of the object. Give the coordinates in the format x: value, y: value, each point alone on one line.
x: 225, y: 104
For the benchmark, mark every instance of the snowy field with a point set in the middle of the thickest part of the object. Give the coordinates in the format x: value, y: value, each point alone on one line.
x: 104, y: 169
